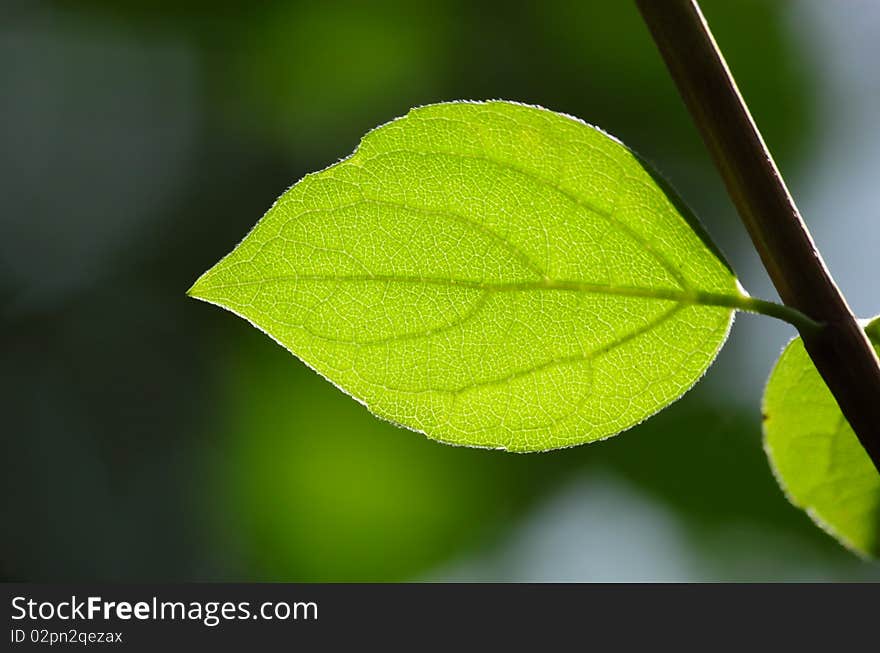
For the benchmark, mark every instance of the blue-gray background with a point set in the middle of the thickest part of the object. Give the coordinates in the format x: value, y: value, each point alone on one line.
x: 150, y: 437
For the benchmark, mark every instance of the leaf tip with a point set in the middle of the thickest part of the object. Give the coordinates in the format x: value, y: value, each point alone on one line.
x: 196, y: 291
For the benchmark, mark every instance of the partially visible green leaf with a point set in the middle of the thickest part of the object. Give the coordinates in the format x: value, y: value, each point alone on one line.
x: 815, y: 454
x: 490, y: 274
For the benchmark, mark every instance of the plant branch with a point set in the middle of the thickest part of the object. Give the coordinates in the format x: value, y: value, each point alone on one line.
x: 840, y: 350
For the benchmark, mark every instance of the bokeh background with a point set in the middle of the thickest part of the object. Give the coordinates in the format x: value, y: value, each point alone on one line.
x: 146, y: 436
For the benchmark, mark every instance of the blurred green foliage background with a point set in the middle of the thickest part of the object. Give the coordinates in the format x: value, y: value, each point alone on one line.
x: 150, y: 437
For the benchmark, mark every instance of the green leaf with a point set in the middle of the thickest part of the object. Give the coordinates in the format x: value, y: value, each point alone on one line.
x: 489, y: 274
x: 816, y: 456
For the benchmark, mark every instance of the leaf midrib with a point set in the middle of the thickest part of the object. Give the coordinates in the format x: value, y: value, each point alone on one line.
x: 687, y: 297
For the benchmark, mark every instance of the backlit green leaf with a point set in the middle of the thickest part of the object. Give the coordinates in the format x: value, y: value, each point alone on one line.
x: 490, y: 274
x: 815, y: 454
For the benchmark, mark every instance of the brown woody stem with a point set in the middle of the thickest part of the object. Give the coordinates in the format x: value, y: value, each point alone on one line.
x: 840, y: 350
